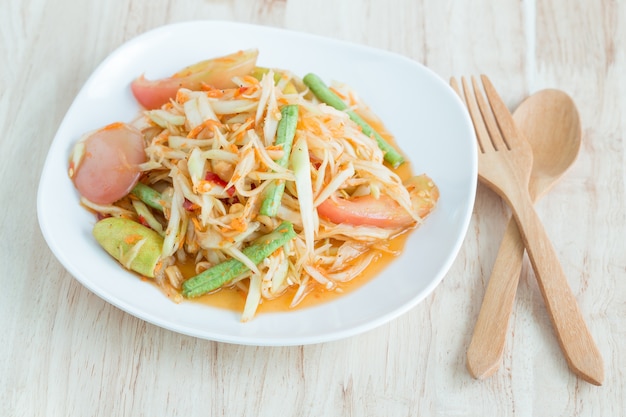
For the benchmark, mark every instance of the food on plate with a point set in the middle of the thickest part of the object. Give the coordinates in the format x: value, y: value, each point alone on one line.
x: 135, y: 246
x: 382, y: 211
x: 240, y: 177
x: 217, y: 72
x: 326, y: 95
x: 105, y: 163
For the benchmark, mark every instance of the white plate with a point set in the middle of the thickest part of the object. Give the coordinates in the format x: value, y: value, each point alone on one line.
x: 428, y: 121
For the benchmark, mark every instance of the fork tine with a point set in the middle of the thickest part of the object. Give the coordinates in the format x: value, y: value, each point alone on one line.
x: 482, y: 136
x: 495, y: 136
x: 502, y: 113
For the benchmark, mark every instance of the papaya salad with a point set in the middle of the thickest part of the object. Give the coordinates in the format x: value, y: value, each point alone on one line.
x: 250, y: 178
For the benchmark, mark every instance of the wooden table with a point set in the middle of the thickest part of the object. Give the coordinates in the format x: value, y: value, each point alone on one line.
x: 67, y: 352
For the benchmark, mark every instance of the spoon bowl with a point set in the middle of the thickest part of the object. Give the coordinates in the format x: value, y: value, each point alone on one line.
x: 550, y: 121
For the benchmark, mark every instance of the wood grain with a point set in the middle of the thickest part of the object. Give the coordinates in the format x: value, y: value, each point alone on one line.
x: 549, y: 120
x: 505, y: 163
x: 67, y: 352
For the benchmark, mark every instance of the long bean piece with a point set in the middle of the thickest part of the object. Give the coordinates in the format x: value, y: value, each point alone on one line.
x: 218, y: 275
x: 148, y: 195
x: 325, y: 94
x: 285, y: 135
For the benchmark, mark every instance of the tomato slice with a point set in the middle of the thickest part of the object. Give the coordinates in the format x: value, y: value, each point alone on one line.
x: 383, y: 211
x: 216, y: 72
x: 365, y: 211
x: 109, y: 166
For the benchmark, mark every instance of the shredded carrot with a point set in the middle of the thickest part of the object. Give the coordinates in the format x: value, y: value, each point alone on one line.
x: 113, y: 126
x: 239, y: 224
x: 211, y: 91
x: 336, y: 131
x: 351, y: 99
x: 161, y: 138
x: 181, y: 97
x: 204, y: 186
x: 227, y: 238
x: 311, y: 125
x: 257, y: 156
x: 240, y: 91
x: 251, y: 91
x: 131, y: 239
x: 227, y: 59
x: 250, y: 80
x: 236, y: 177
x: 209, y: 123
x: 196, y: 224
x: 340, y: 94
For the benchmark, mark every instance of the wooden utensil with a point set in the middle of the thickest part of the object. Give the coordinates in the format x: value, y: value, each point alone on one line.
x: 504, y: 164
x: 550, y: 122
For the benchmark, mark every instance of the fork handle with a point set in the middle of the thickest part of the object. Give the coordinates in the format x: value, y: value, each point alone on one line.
x: 485, y: 350
x: 581, y: 352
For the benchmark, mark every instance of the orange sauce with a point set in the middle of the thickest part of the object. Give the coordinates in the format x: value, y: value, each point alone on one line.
x: 234, y: 299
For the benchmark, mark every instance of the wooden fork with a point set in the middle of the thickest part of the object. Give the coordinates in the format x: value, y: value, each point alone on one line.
x: 504, y: 164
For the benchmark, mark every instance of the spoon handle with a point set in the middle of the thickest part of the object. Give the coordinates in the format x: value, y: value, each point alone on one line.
x: 576, y: 342
x: 485, y: 350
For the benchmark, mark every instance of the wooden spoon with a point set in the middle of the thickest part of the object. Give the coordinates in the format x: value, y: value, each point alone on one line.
x: 549, y: 119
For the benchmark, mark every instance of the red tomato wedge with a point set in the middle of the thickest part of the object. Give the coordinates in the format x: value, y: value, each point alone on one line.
x: 108, y: 166
x: 216, y: 72
x: 383, y: 211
